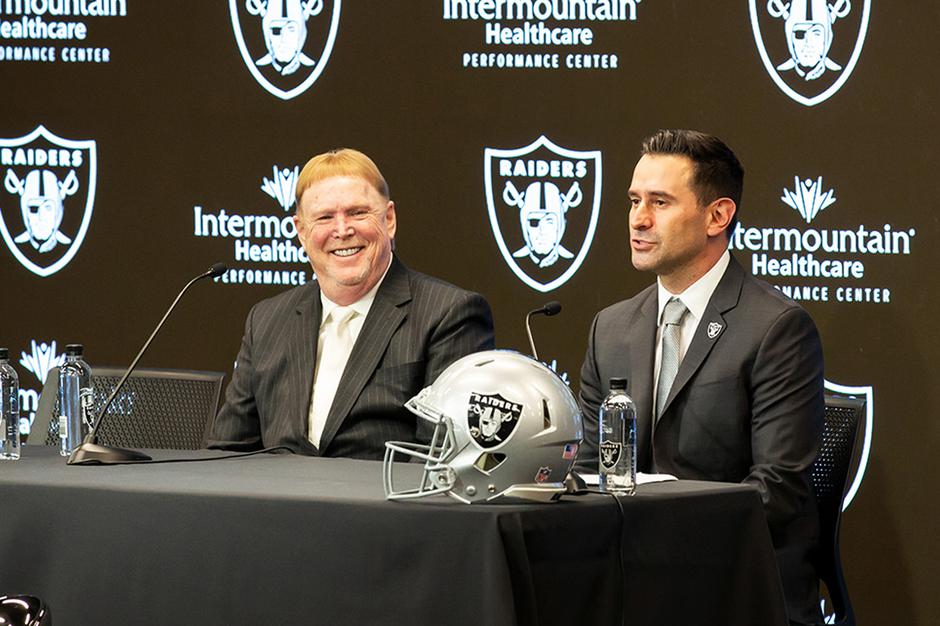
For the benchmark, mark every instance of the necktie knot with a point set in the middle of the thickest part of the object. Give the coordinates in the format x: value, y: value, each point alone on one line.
x: 341, y: 315
x: 674, y: 311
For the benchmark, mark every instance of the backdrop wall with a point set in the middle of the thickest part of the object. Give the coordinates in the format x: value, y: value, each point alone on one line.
x: 150, y: 140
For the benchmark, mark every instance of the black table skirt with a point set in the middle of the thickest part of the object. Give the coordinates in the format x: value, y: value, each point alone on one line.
x: 282, y: 539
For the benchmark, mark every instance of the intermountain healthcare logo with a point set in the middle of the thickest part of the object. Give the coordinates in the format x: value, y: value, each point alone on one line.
x: 809, y: 47
x: 39, y: 361
x: 261, y: 238
x: 53, y: 31
x: 286, y: 44
x: 833, y: 259
x: 543, y: 202
x: 542, y: 35
x: 47, y: 198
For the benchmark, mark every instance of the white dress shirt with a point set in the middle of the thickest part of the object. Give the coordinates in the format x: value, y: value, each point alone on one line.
x: 328, y: 382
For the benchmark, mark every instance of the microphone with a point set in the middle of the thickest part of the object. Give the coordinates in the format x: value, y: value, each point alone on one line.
x: 90, y: 452
x: 548, y: 309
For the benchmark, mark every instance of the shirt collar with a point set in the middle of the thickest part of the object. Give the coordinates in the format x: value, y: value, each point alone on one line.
x: 696, y: 296
x: 360, y: 306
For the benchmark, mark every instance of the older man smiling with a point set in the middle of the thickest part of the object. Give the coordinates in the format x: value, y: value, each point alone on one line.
x: 325, y: 368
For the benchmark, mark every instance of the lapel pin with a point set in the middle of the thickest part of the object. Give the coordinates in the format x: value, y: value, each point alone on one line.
x: 714, y: 328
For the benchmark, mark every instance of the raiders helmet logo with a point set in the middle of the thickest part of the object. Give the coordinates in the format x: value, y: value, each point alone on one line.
x: 492, y: 418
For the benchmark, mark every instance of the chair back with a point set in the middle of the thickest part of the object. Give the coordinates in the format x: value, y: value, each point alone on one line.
x: 830, y: 475
x: 156, y: 408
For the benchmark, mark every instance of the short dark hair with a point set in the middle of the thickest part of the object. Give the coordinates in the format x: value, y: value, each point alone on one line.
x: 717, y: 174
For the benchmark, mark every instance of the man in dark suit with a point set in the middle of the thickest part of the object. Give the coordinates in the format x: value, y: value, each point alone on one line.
x: 325, y: 368
x: 728, y: 378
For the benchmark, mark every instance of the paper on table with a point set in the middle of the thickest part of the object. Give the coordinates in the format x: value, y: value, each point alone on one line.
x: 641, y: 478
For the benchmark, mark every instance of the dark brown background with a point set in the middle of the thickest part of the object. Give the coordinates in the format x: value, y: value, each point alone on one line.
x: 179, y: 121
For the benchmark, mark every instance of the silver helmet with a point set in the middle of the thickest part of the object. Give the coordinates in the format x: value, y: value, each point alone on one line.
x: 504, y: 425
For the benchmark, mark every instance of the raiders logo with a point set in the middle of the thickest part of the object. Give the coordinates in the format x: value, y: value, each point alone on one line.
x: 543, y: 202
x: 809, y: 47
x: 285, y: 44
x: 492, y: 418
x: 47, y: 198
x: 610, y: 454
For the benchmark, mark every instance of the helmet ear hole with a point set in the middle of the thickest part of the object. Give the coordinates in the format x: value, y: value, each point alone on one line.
x: 488, y: 461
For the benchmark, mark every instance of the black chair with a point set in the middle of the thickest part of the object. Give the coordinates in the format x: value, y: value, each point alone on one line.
x: 157, y: 408
x: 830, y: 473
x: 24, y: 611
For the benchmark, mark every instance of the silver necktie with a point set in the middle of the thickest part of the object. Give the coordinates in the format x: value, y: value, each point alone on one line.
x: 669, y: 364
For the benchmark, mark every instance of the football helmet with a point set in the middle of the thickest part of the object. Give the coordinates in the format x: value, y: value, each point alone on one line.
x: 504, y: 425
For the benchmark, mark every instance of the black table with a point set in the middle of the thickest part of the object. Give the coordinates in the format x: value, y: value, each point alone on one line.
x: 281, y: 539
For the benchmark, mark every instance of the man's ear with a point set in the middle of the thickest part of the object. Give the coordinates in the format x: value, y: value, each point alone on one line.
x: 391, y: 220
x: 720, y: 214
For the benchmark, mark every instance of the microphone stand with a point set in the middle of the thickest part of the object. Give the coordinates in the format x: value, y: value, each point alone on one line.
x: 549, y: 309
x: 90, y: 452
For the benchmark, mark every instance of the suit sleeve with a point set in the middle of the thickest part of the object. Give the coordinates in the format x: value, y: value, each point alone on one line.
x: 466, y: 327
x: 237, y: 425
x: 590, y: 398
x: 787, y: 414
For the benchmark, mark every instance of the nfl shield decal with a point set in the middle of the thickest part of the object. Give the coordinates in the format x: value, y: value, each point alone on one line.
x: 610, y: 454
x: 543, y: 202
x: 492, y: 418
x: 809, y: 47
x: 286, y: 44
x: 47, y: 198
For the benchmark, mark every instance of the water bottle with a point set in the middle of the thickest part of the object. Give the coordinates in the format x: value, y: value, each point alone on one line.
x: 617, y: 445
x: 9, y: 409
x: 76, y: 399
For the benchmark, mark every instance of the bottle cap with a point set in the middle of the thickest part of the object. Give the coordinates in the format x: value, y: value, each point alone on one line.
x: 74, y: 349
x: 4, y: 353
x: 618, y: 383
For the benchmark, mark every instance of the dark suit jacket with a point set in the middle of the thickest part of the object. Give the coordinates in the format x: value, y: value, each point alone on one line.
x: 417, y: 326
x: 746, y: 405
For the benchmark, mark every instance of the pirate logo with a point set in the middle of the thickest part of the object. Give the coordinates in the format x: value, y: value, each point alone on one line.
x: 610, y: 454
x: 812, y: 56
x: 492, y: 418
x: 713, y: 330
x: 285, y: 43
x: 49, y: 185
x: 543, y: 202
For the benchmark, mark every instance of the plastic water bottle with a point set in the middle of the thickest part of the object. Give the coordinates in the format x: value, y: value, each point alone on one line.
x: 617, y: 445
x: 9, y: 409
x: 76, y: 399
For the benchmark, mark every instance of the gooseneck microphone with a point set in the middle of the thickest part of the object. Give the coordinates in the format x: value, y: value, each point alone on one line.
x: 548, y: 309
x: 90, y: 452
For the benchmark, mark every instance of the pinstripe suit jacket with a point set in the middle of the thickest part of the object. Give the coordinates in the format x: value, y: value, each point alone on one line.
x: 417, y: 326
